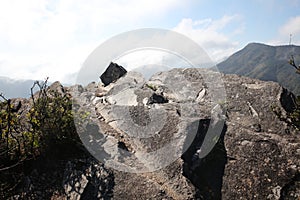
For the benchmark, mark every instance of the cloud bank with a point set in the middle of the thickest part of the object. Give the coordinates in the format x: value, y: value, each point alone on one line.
x: 209, y: 33
x: 288, y: 32
x: 40, y: 38
x: 292, y: 26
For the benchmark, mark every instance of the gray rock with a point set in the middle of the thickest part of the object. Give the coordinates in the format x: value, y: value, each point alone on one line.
x: 263, y: 162
x: 232, y: 148
x: 87, y: 179
x: 57, y: 86
x: 112, y: 73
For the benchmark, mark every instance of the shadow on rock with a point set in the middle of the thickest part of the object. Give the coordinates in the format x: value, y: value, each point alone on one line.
x: 206, y: 174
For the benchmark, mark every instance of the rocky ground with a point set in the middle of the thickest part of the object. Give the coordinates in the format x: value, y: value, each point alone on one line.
x: 210, y: 142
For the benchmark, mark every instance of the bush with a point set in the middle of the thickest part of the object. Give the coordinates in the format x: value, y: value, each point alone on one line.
x: 47, y: 123
x: 51, y: 118
x: 40, y: 131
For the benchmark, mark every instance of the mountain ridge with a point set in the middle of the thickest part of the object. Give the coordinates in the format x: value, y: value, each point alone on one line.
x: 13, y: 88
x: 255, y: 60
x: 265, y: 62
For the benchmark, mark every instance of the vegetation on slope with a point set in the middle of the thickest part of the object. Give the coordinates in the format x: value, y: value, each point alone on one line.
x: 41, y: 128
x: 264, y: 62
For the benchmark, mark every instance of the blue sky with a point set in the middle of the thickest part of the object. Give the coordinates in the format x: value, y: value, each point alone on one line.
x: 41, y: 38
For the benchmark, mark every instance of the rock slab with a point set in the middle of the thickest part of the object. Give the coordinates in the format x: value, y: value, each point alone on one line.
x: 112, y: 73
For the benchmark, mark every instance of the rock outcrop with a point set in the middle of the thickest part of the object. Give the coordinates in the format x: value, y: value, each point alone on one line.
x: 182, y: 135
x: 253, y: 155
x: 263, y: 152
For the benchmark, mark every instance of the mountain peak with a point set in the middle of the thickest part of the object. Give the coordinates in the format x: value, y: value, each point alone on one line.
x: 265, y: 62
x: 256, y: 44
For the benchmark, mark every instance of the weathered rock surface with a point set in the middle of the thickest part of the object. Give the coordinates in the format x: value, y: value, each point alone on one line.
x: 254, y: 155
x: 186, y: 140
x: 263, y: 151
x: 87, y: 179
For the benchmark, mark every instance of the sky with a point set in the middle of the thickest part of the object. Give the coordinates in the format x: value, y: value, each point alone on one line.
x: 53, y: 38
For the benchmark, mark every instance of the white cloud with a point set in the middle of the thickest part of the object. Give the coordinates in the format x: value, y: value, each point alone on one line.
x: 41, y: 38
x: 291, y: 27
x: 210, y: 34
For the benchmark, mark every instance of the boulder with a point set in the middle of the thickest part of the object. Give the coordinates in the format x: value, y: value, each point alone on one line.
x: 112, y: 73
x: 57, y: 87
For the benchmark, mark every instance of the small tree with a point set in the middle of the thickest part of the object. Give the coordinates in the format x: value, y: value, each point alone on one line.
x: 51, y: 118
x: 48, y: 122
x: 39, y: 128
x: 292, y: 62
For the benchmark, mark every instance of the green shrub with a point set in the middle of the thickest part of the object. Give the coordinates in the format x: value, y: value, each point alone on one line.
x: 47, y: 123
x: 43, y: 130
x: 52, y: 119
x: 12, y: 141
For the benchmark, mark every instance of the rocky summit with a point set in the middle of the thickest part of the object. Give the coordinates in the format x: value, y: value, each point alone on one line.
x: 184, y: 134
x: 252, y: 154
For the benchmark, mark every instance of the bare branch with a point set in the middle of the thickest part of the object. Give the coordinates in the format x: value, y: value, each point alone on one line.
x: 292, y: 62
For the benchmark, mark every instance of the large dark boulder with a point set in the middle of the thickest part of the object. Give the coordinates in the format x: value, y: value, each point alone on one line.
x: 112, y: 73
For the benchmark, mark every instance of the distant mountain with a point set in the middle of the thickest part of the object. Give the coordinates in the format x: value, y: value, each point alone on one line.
x: 264, y: 62
x: 11, y: 88
x: 149, y: 70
